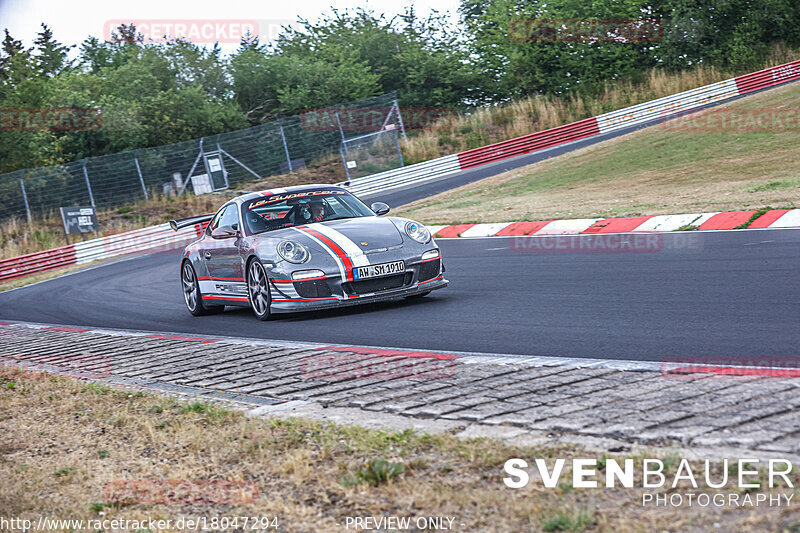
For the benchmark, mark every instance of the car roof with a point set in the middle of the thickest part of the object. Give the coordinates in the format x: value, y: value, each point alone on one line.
x: 281, y: 190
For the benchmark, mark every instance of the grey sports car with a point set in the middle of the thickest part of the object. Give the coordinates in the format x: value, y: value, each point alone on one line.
x: 304, y: 248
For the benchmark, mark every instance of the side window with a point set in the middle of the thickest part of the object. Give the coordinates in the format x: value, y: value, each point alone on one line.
x: 230, y: 216
x: 224, y: 217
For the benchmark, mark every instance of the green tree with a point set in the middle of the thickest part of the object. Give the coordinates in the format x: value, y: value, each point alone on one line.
x: 518, y: 60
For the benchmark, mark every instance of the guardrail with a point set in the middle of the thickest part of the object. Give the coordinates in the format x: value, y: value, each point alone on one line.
x: 146, y: 239
x: 662, y: 108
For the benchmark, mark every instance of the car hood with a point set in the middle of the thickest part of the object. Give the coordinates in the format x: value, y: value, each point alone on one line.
x: 367, y: 234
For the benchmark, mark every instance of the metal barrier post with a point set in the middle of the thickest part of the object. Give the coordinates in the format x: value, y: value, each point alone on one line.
x: 88, y: 185
x: 139, y: 170
x: 286, y: 149
x: 25, y: 198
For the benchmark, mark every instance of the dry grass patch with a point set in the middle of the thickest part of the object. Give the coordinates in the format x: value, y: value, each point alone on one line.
x: 521, y: 117
x: 63, y: 441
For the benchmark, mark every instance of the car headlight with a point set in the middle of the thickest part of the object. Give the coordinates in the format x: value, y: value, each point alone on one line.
x: 294, y: 252
x: 418, y: 232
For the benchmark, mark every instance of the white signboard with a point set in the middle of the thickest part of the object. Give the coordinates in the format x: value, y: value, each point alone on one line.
x: 201, y: 184
x: 213, y: 165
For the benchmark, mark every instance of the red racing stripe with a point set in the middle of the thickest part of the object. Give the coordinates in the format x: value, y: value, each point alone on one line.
x: 232, y: 298
x: 616, y: 225
x: 302, y: 299
x: 727, y: 220
x: 220, y: 279
x: 766, y: 220
x: 348, y: 265
x: 389, y: 353
x: 522, y: 228
x: 297, y: 280
x: 182, y: 338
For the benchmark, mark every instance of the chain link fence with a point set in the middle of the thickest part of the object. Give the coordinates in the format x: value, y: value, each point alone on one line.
x: 203, y: 165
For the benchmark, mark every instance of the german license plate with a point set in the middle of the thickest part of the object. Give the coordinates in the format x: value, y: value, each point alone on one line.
x: 383, y: 269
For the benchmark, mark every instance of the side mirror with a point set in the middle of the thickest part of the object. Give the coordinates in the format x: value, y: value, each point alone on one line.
x: 379, y: 208
x: 225, y: 232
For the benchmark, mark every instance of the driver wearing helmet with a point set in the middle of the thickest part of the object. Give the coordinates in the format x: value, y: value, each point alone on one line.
x: 317, y: 208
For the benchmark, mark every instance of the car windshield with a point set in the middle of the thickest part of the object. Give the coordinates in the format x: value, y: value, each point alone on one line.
x: 285, y: 210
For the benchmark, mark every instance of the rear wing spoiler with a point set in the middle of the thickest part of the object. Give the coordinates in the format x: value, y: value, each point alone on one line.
x: 191, y: 221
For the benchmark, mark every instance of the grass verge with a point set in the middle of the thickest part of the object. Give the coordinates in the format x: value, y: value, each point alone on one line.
x: 65, y: 442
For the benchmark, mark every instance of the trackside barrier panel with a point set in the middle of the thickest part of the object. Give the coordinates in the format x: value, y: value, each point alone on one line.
x: 161, y: 236
x: 411, y: 175
x: 661, y: 108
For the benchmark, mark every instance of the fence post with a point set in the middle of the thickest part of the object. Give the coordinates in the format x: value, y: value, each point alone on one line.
x: 397, y: 144
x: 341, y: 131
x: 286, y: 149
x: 346, y: 170
x: 139, y: 170
x: 25, y: 198
x: 88, y: 185
x: 400, y: 119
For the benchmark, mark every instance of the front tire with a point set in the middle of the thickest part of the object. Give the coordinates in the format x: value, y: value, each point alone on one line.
x: 258, y: 289
x: 192, y: 295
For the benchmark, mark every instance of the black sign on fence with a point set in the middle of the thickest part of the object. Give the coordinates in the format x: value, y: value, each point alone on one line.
x: 79, y: 219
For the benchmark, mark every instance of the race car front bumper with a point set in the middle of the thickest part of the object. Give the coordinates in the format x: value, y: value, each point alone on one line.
x: 336, y: 301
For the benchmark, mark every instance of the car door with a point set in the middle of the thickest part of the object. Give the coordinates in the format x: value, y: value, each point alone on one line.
x: 223, y: 261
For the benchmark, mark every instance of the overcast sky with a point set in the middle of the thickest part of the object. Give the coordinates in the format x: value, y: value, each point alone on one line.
x: 74, y: 20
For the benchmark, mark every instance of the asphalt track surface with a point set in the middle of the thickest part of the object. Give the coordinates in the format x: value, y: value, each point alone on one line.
x: 734, y: 295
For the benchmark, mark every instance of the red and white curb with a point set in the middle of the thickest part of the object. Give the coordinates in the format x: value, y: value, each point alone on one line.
x: 727, y: 220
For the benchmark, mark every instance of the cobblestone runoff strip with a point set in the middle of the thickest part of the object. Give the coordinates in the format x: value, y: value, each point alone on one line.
x: 640, y: 404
